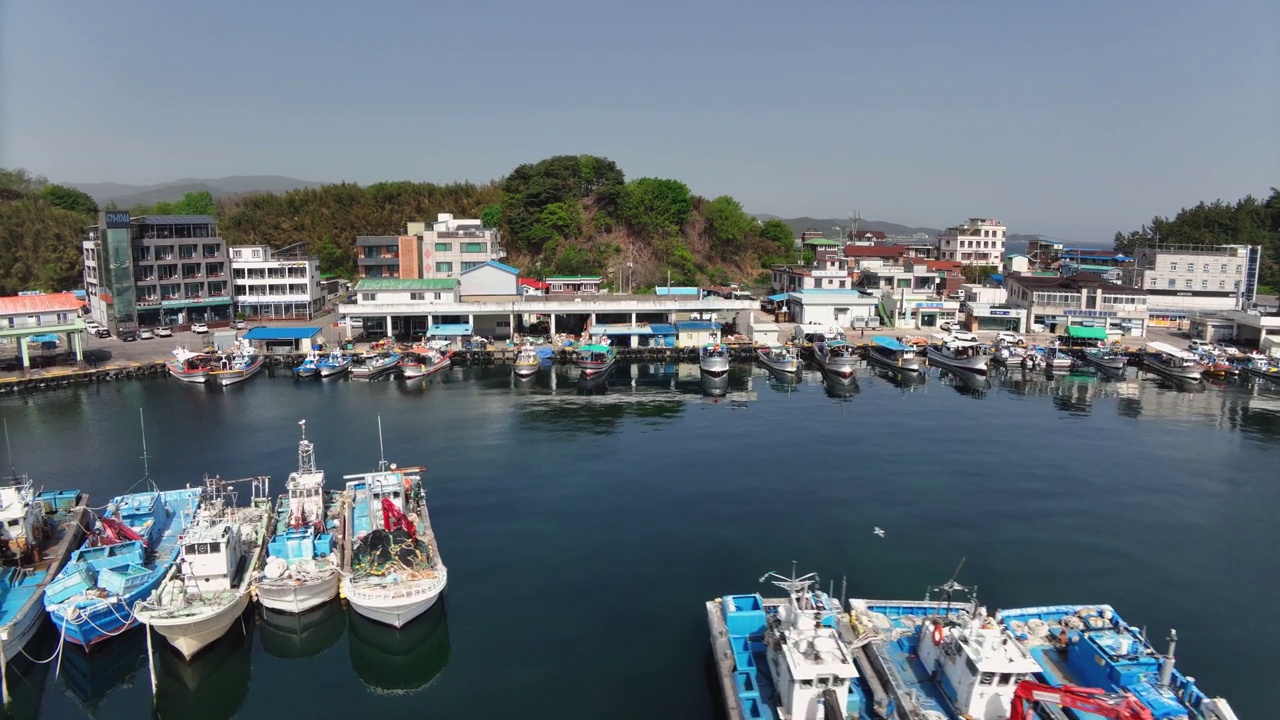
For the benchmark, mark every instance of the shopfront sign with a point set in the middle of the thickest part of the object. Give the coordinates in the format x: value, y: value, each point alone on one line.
x: 828, y: 273
x: 1076, y: 312
x: 117, y: 218
x: 195, y: 302
x: 999, y: 312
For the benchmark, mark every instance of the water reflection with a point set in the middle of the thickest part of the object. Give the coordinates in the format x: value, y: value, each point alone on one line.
x: 26, y: 679
x: 965, y: 382
x: 838, y: 387
x: 214, y: 685
x: 90, y: 677
x: 290, y: 636
x: 399, y: 661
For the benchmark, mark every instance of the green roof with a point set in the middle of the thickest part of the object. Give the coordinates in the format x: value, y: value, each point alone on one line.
x: 573, y: 277
x: 368, y: 284
x: 1087, y: 333
x: 821, y: 241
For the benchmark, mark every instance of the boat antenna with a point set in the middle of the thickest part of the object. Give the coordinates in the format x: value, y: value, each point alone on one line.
x: 950, y: 588
x: 146, y: 468
x: 382, y: 454
x: 13, y: 470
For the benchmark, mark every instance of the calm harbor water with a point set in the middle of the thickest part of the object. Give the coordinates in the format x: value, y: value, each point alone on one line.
x: 584, y: 526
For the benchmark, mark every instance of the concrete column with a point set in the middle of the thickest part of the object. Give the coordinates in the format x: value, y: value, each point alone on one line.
x: 26, y: 356
x: 553, y: 329
x: 388, y: 326
x: 78, y: 345
x: 593, y: 320
x: 471, y: 320
x: 511, y: 328
x: 633, y: 319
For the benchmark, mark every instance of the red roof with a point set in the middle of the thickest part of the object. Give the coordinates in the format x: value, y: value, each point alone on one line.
x: 875, y: 251
x: 36, y: 304
x: 535, y: 284
x: 948, y: 265
x: 876, y: 234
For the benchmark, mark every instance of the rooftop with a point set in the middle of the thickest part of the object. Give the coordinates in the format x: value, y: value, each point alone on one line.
x: 372, y: 284
x: 493, y: 263
x: 173, y: 220
x: 878, y: 251
x: 1072, y: 282
x: 282, y: 333
x: 33, y: 304
x: 572, y: 278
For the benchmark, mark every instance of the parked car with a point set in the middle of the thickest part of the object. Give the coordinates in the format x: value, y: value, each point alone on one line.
x: 1199, y: 344
x: 948, y: 325
x: 164, y: 332
x: 964, y: 336
x: 128, y: 335
x: 239, y: 324
x: 92, y: 326
x: 199, y: 328
x: 102, y: 332
x: 1228, y: 349
x: 1010, y: 338
x: 146, y: 334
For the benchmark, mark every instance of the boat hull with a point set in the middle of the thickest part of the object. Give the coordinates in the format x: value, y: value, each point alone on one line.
x: 714, y: 365
x: 231, y: 377
x: 594, y: 368
x: 526, y: 370
x: 1112, y: 364
x: 365, y: 372
x: 332, y: 370
x: 300, y: 597
x: 26, y: 621
x: 786, y: 366
x: 839, y: 366
x: 391, y: 605
x: 905, y: 365
x: 189, y: 376
x: 1186, y: 374
x: 1273, y: 375
x: 417, y: 370
x: 977, y: 364
x: 189, y: 635
x: 305, y: 372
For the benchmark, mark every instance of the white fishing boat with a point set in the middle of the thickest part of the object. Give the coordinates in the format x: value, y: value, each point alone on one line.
x: 1106, y: 359
x: 953, y: 352
x: 309, y: 367
x: 394, y: 569
x: 1057, y: 359
x: 335, y: 363
x: 242, y: 363
x: 373, y: 364
x: 187, y: 366
x: 422, y: 362
x: 209, y: 588
x: 1261, y: 366
x: 779, y: 357
x: 836, y: 357
x: 713, y: 359
x: 1173, y: 363
x: 527, y: 362
x: 303, y: 557
x: 894, y: 355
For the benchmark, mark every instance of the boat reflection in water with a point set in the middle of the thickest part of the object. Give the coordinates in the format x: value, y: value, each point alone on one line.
x: 26, y: 679
x: 90, y: 677
x: 838, y: 386
x: 965, y: 382
x: 595, y: 383
x: 783, y: 382
x: 289, y: 636
x: 715, y: 385
x: 904, y: 380
x: 400, y: 661
x: 214, y: 685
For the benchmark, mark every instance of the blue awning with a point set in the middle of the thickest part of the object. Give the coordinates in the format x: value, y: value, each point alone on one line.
x: 281, y: 333
x: 43, y: 338
x: 454, y: 330
x: 696, y: 325
x: 778, y: 298
x: 889, y: 343
x: 662, y: 329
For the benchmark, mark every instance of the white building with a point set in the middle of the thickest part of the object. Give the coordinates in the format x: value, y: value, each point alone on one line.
x: 270, y: 285
x: 977, y: 241
x: 451, y: 246
x: 1084, y: 300
x: 490, y: 279
x: 1182, y: 279
x: 841, y: 308
x: 829, y: 272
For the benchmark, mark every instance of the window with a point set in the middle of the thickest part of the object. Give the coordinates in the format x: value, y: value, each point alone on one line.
x: 474, y: 247
x: 417, y: 296
x: 1206, y: 267
x: 468, y: 265
x: 1005, y: 678
x: 1223, y: 268
x: 1191, y: 268
x: 842, y: 284
x: 1152, y: 283
x: 444, y: 267
x: 1173, y: 267
x: 437, y: 296
x: 1173, y: 283
x: 806, y: 684
x: 444, y: 247
x: 987, y: 678
x: 368, y: 297
x: 257, y: 253
x: 1187, y: 284
x: 503, y: 324
x: 1222, y: 284
x: 1204, y: 284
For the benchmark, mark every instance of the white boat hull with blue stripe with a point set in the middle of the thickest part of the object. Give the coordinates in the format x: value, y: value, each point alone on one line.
x: 893, y: 355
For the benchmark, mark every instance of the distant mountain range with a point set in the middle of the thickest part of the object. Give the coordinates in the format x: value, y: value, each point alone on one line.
x: 127, y: 196
x: 800, y: 224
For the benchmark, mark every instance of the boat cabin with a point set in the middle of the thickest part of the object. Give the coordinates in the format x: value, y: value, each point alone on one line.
x: 20, y: 519
x: 977, y: 662
x: 140, y: 512
x: 810, y: 663
x: 370, y: 489
x: 210, y: 556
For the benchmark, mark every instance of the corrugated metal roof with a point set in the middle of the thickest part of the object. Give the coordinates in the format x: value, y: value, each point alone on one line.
x: 697, y: 325
x: 372, y: 284
x: 173, y: 220
x: 492, y: 263
x: 281, y: 333
x: 34, y: 304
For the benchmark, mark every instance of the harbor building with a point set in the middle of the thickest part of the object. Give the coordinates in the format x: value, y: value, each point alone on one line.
x: 1085, y: 300
x: 388, y: 256
x: 451, y: 246
x: 1249, y: 328
x: 275, y: 284
x: 575, y: 285
x: 840, y: 308
x: 489, y: 280
x: 43, y: 319
x: 977, y: 241
x: 830, y: 271
x: 1184, y: 279
x: 155, y: 270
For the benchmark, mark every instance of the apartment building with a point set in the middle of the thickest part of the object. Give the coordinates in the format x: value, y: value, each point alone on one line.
x: 451, y: 246
x: 1183, y: 279
x: 977, y: 241
x: 271, y: 285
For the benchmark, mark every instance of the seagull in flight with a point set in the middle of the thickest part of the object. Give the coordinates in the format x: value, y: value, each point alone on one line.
x: 878, y: 531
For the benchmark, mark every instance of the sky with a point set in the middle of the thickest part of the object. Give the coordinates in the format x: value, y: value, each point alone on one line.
x: 1070, y: 119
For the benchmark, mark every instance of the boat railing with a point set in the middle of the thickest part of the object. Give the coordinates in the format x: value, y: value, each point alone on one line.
x: 411, y: 589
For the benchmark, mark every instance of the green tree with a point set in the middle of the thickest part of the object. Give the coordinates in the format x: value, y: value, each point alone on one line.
x: 39, y: 246
x: 492, y: 216
x: 333, y: 259
x: 196, y: 203
x: 657, y: 207
x: 22, y: 181
x: 68, y: 198
x: 563, y: 220
x: 778, y: 233
x: 729, y: 224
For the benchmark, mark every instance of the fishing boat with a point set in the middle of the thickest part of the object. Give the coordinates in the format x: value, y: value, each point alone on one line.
x: 836, y: 357
x: 131, y: 549
x: 423, y: 362
x: 1106, y: 359
x: 1056, y: 358
x: 527, y: 362
x: 373, y: 364
x: 893, y: 355
x: 187, y: 366
x: 1092, y: 645
x: 310, y: 366
x: 1261, y: 366
x: 595, y: 359
x: 394, y: 569
x: 713, y: 359
x: 335, y: 363
x: 242, y: 363
x: 303, y: 557
x: 1173, y: 363
x: 953, y: 352
x: 779, y: 358
x: 40, y: 530
x: 203, y: 595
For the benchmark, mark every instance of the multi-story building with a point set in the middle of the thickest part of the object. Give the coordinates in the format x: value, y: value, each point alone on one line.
x: 830, y: 271
x: 1182, y: 279
x: 977, y: 241
x: 156, y: 270
x: 267, y: 284
x: 1057, y: 303
x: 442, y: 249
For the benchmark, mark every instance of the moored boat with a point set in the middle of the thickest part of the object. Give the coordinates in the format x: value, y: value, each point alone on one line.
x: 335, y: 363
x: 1173, y: 363
x: 303, y: 556
x: 527, y: 362
x: 40, y: 530
x: 952, y: 352
x: 1261, y: 366
x: 373, y: 364
x: 423, y: 362
x: 203, y: 594
x: 836, y: 357
x: 595, y: 358
x: 187, y: 366
x: 1056, y: 358
x: 238, y: 365
x: 310, y: 366
x: 892, y: 354
x: 779, y: 358
x: 1106, y: 359
x: 713, y: 359
x: 395, y: 572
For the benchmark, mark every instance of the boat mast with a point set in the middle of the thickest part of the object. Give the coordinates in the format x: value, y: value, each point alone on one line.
x: 146, y: 469
x: 382, y: 454
x: 13, y: 469
x: 306, y: 452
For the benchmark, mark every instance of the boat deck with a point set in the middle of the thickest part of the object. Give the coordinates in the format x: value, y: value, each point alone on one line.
x: 915, y: 694
x: 17, y: 587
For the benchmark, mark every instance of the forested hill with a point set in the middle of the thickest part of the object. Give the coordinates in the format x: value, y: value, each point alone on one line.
x: 570, y: 214
x: 1249, y: 221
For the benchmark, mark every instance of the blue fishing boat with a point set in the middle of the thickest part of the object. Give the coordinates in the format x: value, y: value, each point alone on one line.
x: 126, y: 556
x: 310, y: 367
x: 374, y: 363
x: 40, y: 531
x: 1092, y: 646
x: 595, y: 359
x: 334, y: 364
x: 893, y: 355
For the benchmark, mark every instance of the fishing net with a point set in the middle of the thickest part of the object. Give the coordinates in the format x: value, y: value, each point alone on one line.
x: 381, y: 552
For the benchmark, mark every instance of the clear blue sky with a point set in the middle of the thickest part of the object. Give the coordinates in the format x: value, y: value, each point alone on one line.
x: 1072, y: 119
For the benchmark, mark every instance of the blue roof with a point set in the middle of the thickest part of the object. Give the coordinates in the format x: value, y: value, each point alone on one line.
x: 662, y: 329
x: 778, y: 298
x: 697, y: 325
x: 997, y: 278
x: 455, y: 330
x: 281, y: 333
x: 492, y: 263
x: 677, y: 291
x: 885, y: 341
x: 43, y: 338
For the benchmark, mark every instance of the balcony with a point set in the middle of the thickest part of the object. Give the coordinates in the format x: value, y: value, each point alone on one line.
x: 381, y: 260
